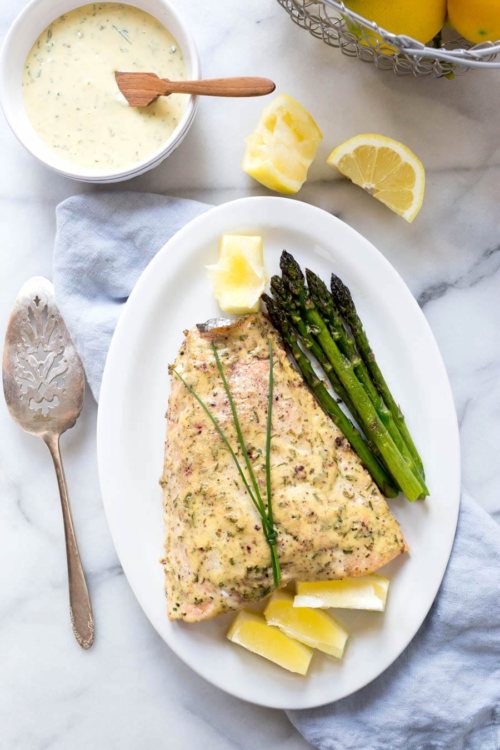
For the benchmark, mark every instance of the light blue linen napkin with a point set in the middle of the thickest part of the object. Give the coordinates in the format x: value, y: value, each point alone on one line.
x: 104, y: 242
x: 443, y: 693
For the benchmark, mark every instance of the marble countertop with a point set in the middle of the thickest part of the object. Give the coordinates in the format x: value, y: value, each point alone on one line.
x: 129, y: 691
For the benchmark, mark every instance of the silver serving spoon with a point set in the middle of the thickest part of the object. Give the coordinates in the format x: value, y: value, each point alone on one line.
x: 44, y: 383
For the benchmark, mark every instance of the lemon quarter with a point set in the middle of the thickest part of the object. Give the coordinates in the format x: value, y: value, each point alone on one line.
x: 366, y: 592
x: 283, y: 145
x: 386, y: 169
x: 240, y: 277
x: 250, y: 630
x: 313, y: 627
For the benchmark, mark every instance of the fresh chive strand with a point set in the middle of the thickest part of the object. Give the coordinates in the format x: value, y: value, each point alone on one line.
x: 122, y: 34
x: 221, y: 433
x: 268, y: 434
x: 238, y: 430
x: 266, y: 517
x: 273, y: 534
x: 228, y: 446
x: 267, y: 523
x: 276, y: 565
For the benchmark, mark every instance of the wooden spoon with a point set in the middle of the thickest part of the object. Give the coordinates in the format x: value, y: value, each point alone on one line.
x: 141, y: 89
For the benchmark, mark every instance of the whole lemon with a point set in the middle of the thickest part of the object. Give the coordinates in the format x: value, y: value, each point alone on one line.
x: 421, y: 20
x: 477, y: 21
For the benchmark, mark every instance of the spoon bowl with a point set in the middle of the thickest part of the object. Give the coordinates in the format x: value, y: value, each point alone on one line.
x: 43, y: 376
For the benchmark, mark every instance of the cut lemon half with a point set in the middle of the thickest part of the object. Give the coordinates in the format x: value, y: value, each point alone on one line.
x: 313, y: 627
x: 283, y: 145
x: 366, y: 592
x: 250, y: 630
x: 386, y: 169
x: 240, y: 277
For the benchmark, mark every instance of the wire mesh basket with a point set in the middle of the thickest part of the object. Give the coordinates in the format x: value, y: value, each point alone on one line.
x: 340, y: 27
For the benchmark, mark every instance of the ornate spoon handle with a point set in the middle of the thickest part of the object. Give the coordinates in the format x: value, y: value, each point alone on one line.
x: 80, y: 608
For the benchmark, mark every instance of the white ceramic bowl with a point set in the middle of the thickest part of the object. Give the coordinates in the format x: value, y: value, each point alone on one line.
x: 25, y: 30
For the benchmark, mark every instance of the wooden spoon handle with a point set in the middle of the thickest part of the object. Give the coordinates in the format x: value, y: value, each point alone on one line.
x: 239, y: 86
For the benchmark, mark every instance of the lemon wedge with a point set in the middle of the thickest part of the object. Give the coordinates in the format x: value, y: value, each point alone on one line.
x: 250, y: 630
x: 280, y: 150
x: 239, y: 278
x: 312, y: 627
x: 366, y: 592
x: 386, y: 169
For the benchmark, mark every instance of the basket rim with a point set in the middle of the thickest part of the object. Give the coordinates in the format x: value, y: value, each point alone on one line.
x: 406, y: 45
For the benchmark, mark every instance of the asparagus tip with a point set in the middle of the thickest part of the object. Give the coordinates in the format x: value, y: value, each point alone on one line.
x: 290, y: 267
x: 315, y: 282
x: 273, y: 312
x: 269, y: 302
x: 310, y: 276
x: 278, y: 287
x: 341, y: 293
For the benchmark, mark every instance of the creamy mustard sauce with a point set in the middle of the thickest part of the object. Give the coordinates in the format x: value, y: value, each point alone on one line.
x: 70, y: 93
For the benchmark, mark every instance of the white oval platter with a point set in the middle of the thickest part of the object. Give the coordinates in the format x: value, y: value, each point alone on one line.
x: 173, y: 294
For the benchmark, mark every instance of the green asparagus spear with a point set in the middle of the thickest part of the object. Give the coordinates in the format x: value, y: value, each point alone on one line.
x: 325, y: 305
x: 330, y: 406
x: 324, y: 302
x: 343, y: 299
x: 287, y: 302
x: 373, y: 425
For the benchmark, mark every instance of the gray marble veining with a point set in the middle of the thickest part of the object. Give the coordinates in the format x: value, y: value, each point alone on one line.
x: 130, y: 691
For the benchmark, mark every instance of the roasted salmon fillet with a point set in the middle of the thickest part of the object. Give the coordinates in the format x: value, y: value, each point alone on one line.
x: 331, y: 520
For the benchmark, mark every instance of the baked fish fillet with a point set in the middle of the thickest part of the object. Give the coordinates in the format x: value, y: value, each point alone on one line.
x: 331, y: 519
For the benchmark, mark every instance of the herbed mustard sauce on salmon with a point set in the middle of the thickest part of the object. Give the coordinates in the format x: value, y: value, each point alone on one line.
x: 331, y: 519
